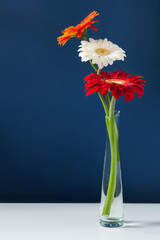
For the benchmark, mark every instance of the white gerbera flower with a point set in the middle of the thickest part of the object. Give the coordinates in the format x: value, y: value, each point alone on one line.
x: 101, y: 52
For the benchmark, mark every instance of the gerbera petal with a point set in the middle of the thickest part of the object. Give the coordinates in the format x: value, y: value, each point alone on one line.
x: 90, y: 91
x: 126, y: 96
x: 105, y: 75
x: 89, y: 17
x: 104, y: 91
x: 93, y: 27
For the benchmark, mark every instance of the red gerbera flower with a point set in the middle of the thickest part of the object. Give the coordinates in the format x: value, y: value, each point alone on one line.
x: 119, y: 83
x: 78, y: 30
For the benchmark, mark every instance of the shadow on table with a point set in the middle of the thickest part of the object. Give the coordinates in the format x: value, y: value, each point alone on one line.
x: 141, y: 224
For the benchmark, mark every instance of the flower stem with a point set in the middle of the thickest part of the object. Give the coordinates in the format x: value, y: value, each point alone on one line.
x: 108, y: 100
x: 104, y: 103
x: 117, y: 134
x: 113, y: 170
x: 93, y: 65
x: 112, y: 131
x: 117, y: 140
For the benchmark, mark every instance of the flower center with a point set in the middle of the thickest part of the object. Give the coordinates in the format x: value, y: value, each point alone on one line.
x: 117, y: 81
x: 102, y: 51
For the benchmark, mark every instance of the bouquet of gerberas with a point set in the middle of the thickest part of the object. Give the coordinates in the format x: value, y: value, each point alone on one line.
x: 101, y: 53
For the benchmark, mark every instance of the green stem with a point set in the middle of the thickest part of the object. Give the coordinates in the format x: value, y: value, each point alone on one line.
x: 105, y: 109
x: 93, y: 65
x: 118, y: 155
x: 117, y: 141
x: 113, y: 170
x: 108, y: 100
x: 104, y: 103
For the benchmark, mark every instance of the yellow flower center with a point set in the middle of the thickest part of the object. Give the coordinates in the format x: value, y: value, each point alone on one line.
x: 117, y: 81
x: 102, y: 51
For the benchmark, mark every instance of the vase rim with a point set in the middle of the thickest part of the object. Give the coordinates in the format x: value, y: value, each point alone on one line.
x: 116, y: 114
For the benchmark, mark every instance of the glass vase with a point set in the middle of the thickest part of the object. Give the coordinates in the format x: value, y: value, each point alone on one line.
x: 111, y: 206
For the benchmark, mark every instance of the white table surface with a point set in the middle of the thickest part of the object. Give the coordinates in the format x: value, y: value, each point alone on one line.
x: 76, y: 222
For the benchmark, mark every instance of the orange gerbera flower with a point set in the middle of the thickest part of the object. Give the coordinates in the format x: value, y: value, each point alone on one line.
x: 79, y: 29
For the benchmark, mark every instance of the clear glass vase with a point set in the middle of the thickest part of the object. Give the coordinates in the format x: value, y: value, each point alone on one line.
x: 111, y: 206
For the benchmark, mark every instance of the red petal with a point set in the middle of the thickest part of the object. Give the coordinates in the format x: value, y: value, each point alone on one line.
x: 92, y: 27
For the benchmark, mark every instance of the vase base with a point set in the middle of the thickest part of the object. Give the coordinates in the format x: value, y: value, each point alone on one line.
x: 112, y: 223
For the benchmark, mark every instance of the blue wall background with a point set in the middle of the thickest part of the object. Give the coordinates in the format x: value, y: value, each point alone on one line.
x: 52, y: 137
